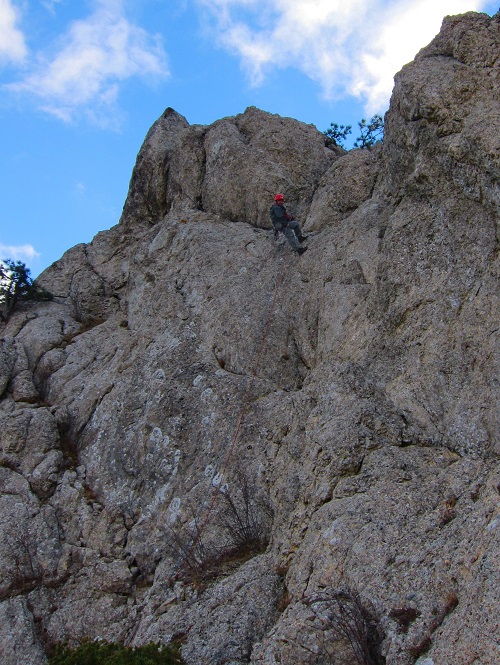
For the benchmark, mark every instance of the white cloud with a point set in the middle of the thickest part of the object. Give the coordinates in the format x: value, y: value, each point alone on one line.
x: 18, y: 252
x: 12, y: 44
x: 92, y: 59
x: 350, y: 47
x: 407, y: 28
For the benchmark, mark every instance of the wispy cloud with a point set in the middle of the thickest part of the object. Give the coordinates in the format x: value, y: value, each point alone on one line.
x: 18, y: 252
x: 349, y: 47
x: 91, y: 61
x: 50, y: 5
x: 12, y: 44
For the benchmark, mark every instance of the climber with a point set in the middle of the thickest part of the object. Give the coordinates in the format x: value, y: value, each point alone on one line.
x: 285, y: 223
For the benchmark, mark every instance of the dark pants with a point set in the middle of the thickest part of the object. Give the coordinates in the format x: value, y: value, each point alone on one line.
x: 292, y: 233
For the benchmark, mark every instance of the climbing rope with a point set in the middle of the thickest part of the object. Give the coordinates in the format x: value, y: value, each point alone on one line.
x: 201, y: 522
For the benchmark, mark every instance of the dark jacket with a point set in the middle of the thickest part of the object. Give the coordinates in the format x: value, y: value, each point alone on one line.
x: 279, y: 216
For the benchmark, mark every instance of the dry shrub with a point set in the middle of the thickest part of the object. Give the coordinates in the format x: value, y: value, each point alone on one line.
x: 242, y: 515
x: 245, y: 515
x: 343, y: 614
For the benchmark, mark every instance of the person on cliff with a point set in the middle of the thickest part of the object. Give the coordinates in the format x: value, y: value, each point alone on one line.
x: 285, y: 223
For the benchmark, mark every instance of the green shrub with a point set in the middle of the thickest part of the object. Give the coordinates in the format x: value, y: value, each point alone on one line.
x: 103, y: 653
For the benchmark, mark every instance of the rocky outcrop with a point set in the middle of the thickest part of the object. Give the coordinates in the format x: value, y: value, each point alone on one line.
x: 189, y: 363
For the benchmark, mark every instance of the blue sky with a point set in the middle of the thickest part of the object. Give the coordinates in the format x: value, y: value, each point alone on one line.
x: 83, y: 80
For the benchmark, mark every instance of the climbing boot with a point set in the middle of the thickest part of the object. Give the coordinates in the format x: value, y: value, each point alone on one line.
x: 301, y: 250
x: 301, y: 238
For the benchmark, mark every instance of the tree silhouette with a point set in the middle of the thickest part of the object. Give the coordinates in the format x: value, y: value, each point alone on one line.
x: 371, y: 132
x: 337, y: 134
x: 16, y: 285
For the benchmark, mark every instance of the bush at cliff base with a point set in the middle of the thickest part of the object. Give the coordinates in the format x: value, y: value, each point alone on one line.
x: 102, y: 653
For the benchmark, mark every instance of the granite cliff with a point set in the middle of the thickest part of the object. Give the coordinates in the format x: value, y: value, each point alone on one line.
x: 344, y: 402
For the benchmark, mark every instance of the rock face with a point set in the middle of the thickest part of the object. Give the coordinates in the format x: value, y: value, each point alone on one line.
x: 192, y: 374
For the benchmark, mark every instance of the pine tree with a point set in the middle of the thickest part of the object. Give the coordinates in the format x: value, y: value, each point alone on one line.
x: 371, y: 132
x: 336, y: 134
x: 16, y: 285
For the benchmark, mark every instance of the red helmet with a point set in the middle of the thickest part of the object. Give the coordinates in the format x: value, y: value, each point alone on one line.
x: 279, y: 197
